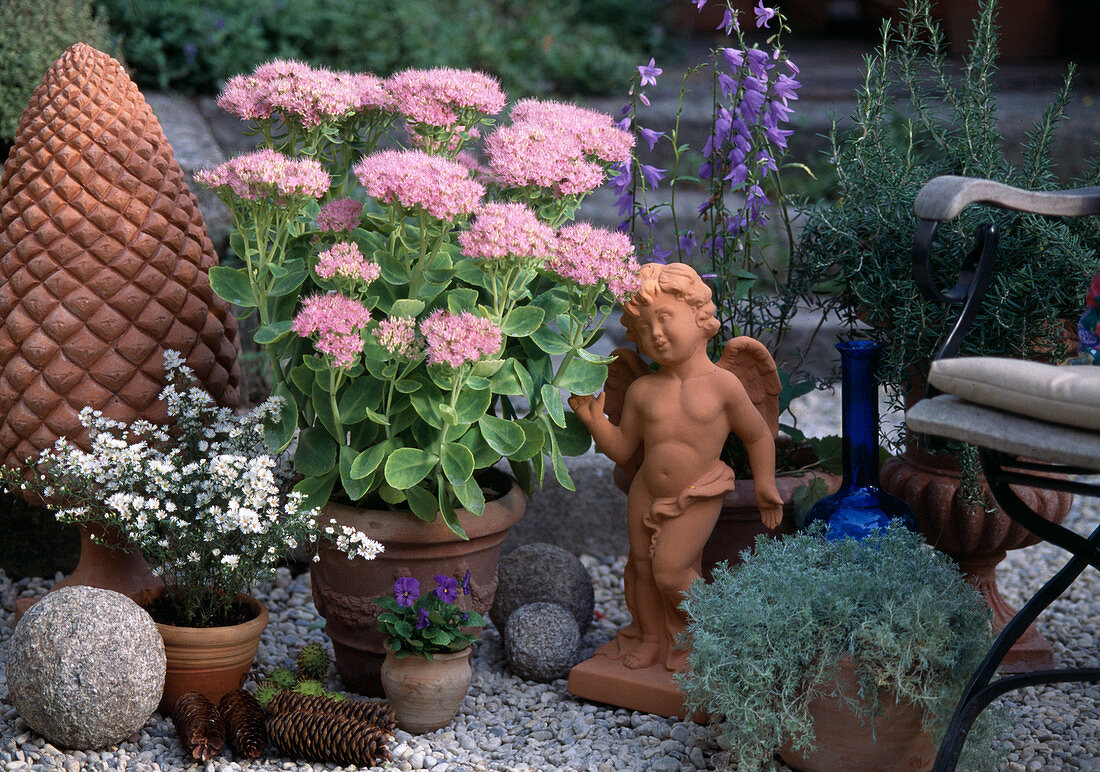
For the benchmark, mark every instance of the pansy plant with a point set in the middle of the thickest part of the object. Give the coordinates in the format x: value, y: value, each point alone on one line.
x: 429, y: 623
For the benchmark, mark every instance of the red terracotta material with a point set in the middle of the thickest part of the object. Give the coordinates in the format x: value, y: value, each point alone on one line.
x: 343, y: 589
x: 977, y: 542
x: 103, y: 263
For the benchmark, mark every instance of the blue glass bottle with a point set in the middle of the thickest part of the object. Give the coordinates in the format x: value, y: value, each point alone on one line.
x: 859, y: 507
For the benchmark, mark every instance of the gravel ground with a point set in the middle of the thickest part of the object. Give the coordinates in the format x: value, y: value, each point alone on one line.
x: 509, y: 724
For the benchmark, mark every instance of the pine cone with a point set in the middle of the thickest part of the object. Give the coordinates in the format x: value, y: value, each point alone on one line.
x: 244, y: 723
x: 328, y: 738
x: 375, y: 713
x: 199, y: 726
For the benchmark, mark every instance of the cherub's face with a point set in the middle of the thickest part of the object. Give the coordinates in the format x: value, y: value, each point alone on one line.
x: 667, y: 330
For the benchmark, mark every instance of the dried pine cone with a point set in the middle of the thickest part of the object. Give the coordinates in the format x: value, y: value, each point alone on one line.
x: 328, y: 738
x: 199, y: 726
x: 376, y: 713
x: 313, y: 662
x: 244, y: 723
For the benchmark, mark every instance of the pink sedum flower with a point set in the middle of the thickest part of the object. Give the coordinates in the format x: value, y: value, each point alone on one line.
x: 398, y: 335
x: 439, y: 96
x: 267, y: 174
x: 530, y: 154
x: 340, y: 215
x: 597, y: 134
x: 454, y: 339
x: 345, y: 261
x: 590, y: 256
x: 416, y: 180
x: 501, y: 230
x: 337, y: 322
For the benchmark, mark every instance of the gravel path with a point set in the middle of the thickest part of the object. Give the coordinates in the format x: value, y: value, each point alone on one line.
x: 509, y: 724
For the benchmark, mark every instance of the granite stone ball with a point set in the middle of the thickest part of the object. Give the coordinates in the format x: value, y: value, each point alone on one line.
x: 85, y: 667
x: 542, y: 641
x: 542, y: 572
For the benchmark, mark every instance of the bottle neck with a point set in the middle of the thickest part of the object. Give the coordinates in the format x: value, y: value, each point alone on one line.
x: 859, y: 402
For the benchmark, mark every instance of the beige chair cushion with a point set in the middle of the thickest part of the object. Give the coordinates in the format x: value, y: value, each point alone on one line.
x: 1064, y: 395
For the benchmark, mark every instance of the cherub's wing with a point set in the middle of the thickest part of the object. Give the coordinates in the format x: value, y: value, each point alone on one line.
x: 750, y: 360
x: 626, y: 369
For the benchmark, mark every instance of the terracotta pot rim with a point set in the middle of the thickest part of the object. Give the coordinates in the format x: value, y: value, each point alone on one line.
x: 445, y: 656
x: 200, y: 634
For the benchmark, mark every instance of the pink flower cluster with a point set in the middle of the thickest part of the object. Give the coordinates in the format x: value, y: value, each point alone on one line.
x: 398, y: 335
x: 501, y: 230
x: 454, y: 339
x: 266, y: 173
x: 302, y: 93
x: 337, y: 322
x: 528, y: 154
x: 346, y: 261
x: 588, y: 256
x: 416, y: 180
x: 597, y: 133
x: 339, y: 215
x: 439, y: 96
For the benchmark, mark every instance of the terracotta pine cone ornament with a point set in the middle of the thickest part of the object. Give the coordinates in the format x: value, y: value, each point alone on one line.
x: 103, y: 263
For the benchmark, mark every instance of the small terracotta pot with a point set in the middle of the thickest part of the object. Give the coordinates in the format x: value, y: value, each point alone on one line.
x: 425, y: 694
x: 210, y: 660
x: 844, y: 741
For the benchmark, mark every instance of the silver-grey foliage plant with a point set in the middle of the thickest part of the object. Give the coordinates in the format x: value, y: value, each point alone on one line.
x: 767, y: 638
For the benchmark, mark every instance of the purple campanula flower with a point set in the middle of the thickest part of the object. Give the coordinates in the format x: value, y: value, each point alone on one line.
x: 734, y: 57
x: 738, y: 174
x: 447, y: 591
x: 759, y: 62
x: 625, y: 111
x: 422, y: 620
x: 778, y: 136
x: 466, y: 583
x: 764, y: 15
x: 651, y: 174
x: 643, y: 99
x: 765, y: 161
x: 621, y: 181
x: 704, y: 174
x: 650, y: 217
x: 406, y: 590
x: 661, y: 255
x: 687, y: 241
x: 650, y: 136
x: 786, y: 87
x: 727, y: 84
x: 729, y: 22
x: 624, y: 124
x: 699, y: 4
x: 649, y: 73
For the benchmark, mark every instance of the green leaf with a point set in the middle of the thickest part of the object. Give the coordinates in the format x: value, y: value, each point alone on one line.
x: 483, y: 454
x: 355, y: 487
x: 581, y: 377
x: 232, y: 285
x: 830, y: 453
x: 471, y: 272
x: 457, y: 462
x: 369, y: 460
x: 550, y: 340
x: 272, y: 332
x: 278, y: 436
x: 486, y: 368
x: 322, y: 406
x: 561, y: 471
x: 422, y: 503
x: 426, y: 401
x: 461, y: 299
x: 289, y: 284
x: 406, y: 386
x: 505, y: 381
x: 317, y: 490
x: 805, y: 496
x: 316, y: 453
x: 551, y: 400
x: 505, y: 437
x: 574, y: 439
x: 408, y: 466
x: 534, y: 440
x: 390, y: 495
x: 470, y: 496
x: 472, y: 405
x: 522, y: 321
x: 360, y: 395
x: 407, y: 307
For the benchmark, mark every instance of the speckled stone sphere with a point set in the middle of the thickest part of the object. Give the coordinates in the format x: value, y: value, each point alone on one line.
x: 541, y: 572
x: 542, y: 641
x: 85, y: 667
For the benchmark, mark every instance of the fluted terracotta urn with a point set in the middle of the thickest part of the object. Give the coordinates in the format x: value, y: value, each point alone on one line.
x: 103, y: 266
x: 977, y: 541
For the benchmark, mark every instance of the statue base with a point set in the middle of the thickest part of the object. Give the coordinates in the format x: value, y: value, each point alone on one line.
x: 650, y: 690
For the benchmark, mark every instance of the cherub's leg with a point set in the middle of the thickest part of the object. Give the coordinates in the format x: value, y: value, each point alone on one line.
x: 677, y: 562
x: 639, y: 642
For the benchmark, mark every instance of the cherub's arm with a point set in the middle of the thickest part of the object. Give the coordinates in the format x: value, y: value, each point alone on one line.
x: 616, y: 442
x: 747, y: 423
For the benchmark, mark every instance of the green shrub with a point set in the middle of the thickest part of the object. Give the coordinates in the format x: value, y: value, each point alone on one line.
x: 33, y: 34
x: 532, y: 46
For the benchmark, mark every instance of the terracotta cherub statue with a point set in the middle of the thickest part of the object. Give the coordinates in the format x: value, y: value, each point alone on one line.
x: 680, y: 417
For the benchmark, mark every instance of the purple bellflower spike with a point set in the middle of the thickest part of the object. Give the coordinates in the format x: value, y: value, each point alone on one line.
x: 447, y: 591
x: 466, y: 583
x: 649, y: 73
x: 764, y: 15
x: 729, y: 22
x: 406, y: 590
x: 650, y: 136
x: 422, y: 620
x: 652, y: 174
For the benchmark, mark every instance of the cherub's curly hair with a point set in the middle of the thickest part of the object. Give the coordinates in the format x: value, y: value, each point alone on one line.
x: 680, y: 281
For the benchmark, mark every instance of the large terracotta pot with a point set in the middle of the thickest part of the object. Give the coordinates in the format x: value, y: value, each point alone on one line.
x: 426, y: 694
x: 978, y: 542
x: 844, y: 742
x: 343, y: 589
x: 210, y: 660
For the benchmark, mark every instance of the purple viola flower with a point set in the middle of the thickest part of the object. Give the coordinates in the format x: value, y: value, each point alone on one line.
x: 422, y: 620
x: 447, y: 591
x: 651, y: 174
x: 466, y: 583
x: 729, y: 22
x: 650, y: 136
x: 649, y: 72
x: 406, y: 590
x: 764, y: 15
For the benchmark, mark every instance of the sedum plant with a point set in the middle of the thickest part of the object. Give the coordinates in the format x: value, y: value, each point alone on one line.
x: 767, y: 637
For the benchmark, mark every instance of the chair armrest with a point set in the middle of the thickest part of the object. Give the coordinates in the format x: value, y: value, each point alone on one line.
x: 942, y: 199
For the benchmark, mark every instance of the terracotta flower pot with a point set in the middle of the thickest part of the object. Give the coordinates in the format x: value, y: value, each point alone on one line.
x: 209, y: 660
x: 344, y: 590
x: 425, y: 694
x: 843, y: 740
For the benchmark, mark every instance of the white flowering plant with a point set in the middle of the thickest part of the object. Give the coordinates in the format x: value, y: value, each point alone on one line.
x: 200, y: 496
x: 422, y: 311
